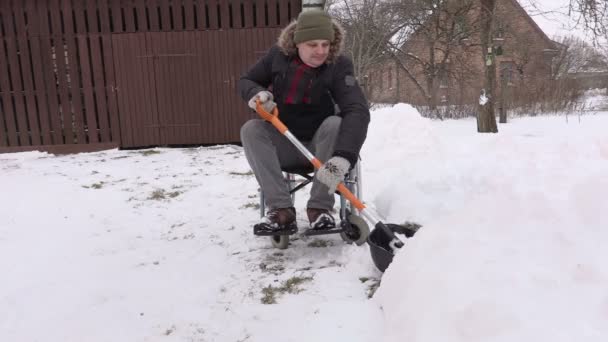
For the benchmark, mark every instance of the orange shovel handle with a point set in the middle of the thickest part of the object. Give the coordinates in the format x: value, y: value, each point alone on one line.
x: 273, y: 118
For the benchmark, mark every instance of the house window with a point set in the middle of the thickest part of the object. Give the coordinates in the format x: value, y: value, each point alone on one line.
x: 499, y: 29
x: 461, y: 27
x: 506, y: 72
x: 390, y: 78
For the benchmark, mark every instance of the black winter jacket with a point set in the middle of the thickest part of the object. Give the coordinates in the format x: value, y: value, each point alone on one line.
x: 333, y: 84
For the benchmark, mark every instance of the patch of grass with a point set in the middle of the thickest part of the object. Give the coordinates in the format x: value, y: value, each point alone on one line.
x: 372, y: 285
x: 269, y: 295
x: 157, y: 195
x: 160, y: 194
x: 251, y: 205
x: 149, y: 152
x: 97, y: 185
x: 174, y: 194
x: 275, y: 269
x: 248, y: 173
x: 291, y: 285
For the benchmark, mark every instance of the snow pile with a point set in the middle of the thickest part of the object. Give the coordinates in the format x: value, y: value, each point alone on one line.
x: 518, y: 253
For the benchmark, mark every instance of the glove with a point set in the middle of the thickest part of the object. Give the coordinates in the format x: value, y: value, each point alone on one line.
x: 333, y: 172
x: 266, y: 100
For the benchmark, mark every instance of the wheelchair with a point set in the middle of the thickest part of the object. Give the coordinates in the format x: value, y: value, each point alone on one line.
x: 353, y: 229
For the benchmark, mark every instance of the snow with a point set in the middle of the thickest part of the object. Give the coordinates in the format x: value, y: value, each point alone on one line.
x: 156, y: 245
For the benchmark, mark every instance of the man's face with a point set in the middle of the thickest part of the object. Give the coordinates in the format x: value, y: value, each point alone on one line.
x: 313, y: 52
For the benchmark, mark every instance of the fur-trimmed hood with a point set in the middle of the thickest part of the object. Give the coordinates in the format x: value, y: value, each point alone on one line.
x: 288, y: 47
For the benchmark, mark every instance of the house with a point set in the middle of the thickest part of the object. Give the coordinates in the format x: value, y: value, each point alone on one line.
x: 455, y: 72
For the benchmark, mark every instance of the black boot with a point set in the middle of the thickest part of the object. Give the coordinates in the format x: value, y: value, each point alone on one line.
x: 320, y: 219
x: 279, y: 221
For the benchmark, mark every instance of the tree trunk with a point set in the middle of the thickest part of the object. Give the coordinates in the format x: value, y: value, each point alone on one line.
x: 486, y: 119
x: 502, y: 102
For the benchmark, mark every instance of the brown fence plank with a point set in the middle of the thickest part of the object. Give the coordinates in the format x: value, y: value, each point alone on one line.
x: 87, y: 90
x: 238, y: 16
x: 284, y: 12
x: 163, y: 97
x: 27, y: 74
x: 260, y: 13
x: 178, y: 63
x: 104, y: 16
x: 210, y: 86
x: 219, y: 39
x: 50, y: 82
x: 92, y: 13
x: 232, y: 50
x: 85, y: 65
x: 150, y: 105
x: 17, y: 91
x: 176, y: 10
x: 212, y: 13
x: 96, y: 60
x: 59, y: 52
x: 189, y: 15
x: 274, y: 15
x: 142, y: 20
x: 16, y: 88
x: 117, y: 22
x: 203, y: 86
x: 165, y: 15
x: 129, y: 14
x: 74, y: 68
x: 99, y: 87
x: 40, y: 92
x: 110, y: 87
x: 111, y: 111
x: 132, y: 57
x: 7, y: 100
x: 118, y: 49
x: 154, y: 15
x: 248, y: 13
x: 134, y: 85
x: 225, y: 15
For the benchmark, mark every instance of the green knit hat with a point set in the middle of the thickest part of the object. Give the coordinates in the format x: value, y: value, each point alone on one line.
x: 312, y: 25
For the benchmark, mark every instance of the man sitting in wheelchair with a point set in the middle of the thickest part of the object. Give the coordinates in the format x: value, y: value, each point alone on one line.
x: 305, y: 75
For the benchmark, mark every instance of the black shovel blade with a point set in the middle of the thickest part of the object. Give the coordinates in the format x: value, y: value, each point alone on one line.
x: 380, y: 239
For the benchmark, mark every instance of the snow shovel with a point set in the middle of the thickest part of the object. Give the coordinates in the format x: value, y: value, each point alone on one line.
x: 382, y: 240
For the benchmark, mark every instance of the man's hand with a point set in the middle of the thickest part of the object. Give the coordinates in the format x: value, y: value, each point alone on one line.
x: 266, y: 100
x: 333, y: 172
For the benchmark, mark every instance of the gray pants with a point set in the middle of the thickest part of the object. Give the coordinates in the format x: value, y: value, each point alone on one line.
x: 269, y: 152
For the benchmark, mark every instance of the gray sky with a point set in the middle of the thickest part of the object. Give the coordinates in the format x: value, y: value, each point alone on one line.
x: 551, y: 16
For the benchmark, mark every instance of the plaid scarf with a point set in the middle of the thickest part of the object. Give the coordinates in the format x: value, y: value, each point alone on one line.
x: 299, y: 82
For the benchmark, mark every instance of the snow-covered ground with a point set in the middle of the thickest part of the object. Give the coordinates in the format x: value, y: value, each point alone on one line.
x: 156, y: 245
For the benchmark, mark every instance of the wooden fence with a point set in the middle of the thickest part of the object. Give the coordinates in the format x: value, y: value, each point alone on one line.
x: 84, y: 75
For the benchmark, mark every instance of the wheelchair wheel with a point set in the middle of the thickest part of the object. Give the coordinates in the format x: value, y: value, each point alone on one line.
x: 280, y: 241
x: 356, y: 230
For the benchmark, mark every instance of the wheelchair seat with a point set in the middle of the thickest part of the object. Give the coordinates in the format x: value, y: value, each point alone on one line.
x: 352, y: 182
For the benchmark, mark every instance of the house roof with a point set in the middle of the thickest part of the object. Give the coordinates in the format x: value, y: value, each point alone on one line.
x: 532, y: 23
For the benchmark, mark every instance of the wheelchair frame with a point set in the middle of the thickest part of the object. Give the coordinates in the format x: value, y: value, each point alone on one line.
x: 353, y: 182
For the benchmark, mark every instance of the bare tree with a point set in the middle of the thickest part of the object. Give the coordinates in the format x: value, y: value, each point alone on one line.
x: 576, y: 55
x: 592, y: 15
x: 433, y: 46
x: 368, y: 26
x: 486, y: 119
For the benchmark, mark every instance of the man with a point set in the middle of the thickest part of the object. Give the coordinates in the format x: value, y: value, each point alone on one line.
x: 306, y: 76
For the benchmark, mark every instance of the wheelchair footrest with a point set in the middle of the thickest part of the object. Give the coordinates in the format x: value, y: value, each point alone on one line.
x: 312, y: 232
x: 264, y: 229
